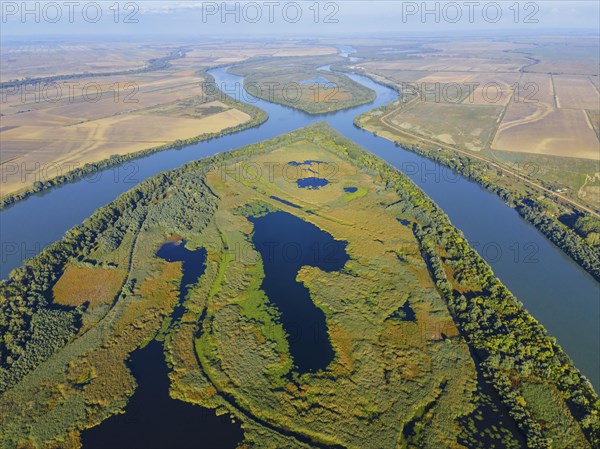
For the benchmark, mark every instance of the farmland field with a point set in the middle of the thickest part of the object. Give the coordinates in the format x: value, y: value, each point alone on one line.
x: 539, y: 99
x: 43, y: 139
x: 467, y: 126
x: 555, y: 132
x: 576, y: 92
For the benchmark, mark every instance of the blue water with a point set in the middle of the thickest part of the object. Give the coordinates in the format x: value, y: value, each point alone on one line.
x: 563, y: 297
x: 307, y: 162
x: 192, y: 266
x: 153, y: 420
x: 286, y: 243
x: 350, y: 189
x: 312, y: 183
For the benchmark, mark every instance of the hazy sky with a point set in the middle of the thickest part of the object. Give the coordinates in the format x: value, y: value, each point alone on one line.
x: 164, y: 19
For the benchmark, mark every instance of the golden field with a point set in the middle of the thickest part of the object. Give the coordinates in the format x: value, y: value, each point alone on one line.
x: 542, y: 113
x: 545, y: 130
x: 45, y: 139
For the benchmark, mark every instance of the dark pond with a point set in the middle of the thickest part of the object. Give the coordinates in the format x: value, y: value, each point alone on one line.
x: 405, y: 313
x: 287, y: 243
x: 155, y: 421
x: 312, y: 182
x: 308, y: 165
x: 308, y: 162
x: 350, y: 189
x: 193, y: 265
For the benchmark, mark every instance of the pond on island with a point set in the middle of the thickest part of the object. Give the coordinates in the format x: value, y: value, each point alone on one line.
x: 286, y: 243
x: 192, y: 267
x: 153, y: 420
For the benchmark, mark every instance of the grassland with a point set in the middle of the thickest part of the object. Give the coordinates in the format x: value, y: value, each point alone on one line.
x: 95, y: 286
x: 396, y: 380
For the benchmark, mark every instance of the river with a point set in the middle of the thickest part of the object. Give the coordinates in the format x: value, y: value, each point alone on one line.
x: 563, y: 297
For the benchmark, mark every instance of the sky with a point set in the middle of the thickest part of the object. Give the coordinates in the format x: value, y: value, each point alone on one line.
x: 189, y: 19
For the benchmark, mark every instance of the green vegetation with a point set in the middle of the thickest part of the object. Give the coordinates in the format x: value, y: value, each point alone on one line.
x: 588, y: 228
x: 431, y: 350
x: 584, y: 251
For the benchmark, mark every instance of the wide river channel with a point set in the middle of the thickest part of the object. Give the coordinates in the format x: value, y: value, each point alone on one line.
x: 564, y: 298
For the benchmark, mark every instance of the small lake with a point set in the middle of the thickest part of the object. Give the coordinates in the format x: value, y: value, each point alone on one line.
x: 153, y: 420
x: 286, y: 243
x: 151, y: 410
x: 311, y: 183
x: 193, y: 265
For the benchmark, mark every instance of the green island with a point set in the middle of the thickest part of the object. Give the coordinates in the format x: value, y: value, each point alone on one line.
x: 430, y: 349
x: 298, y: 83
